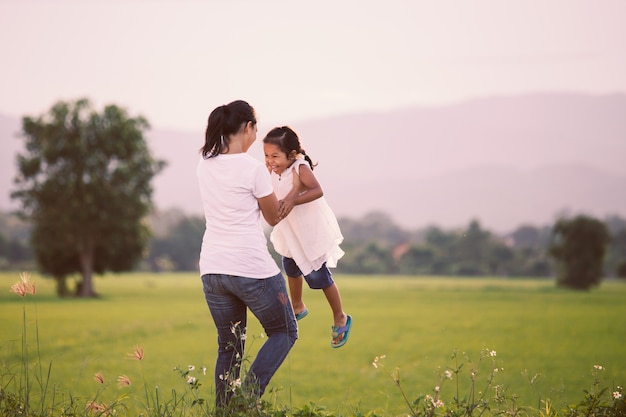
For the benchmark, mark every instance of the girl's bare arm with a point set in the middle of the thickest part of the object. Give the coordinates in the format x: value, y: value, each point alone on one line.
x: 310, y: 188
x: 305, y: 188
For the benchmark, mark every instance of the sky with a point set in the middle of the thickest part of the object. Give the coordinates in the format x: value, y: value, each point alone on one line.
x: 174, y: 61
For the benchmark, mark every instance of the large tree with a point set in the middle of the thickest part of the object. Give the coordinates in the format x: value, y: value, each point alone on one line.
x: 85, y: 183
x: 578, y: 246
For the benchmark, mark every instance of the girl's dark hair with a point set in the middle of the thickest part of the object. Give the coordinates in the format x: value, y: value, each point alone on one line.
x: 224, y: 121
x: 287, y: 140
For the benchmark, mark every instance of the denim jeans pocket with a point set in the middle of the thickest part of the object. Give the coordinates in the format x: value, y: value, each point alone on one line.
x: 207, y: 283
x: 252, y: 289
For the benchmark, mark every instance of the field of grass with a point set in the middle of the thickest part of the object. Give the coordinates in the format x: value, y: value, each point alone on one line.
x: 416, y: 322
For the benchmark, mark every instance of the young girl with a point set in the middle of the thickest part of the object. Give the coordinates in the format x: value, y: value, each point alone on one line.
x: 308, y: 238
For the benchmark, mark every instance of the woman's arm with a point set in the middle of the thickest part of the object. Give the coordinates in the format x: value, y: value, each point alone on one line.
x: 270, y: 209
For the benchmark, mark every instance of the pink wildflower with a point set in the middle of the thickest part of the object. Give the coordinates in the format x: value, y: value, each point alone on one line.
x: 92, y: 406
x: 25, y: 286
x: 19, y: 289
x: 100, y: 409
x: 123, y: 381
x: 99, y: 378
x: 137, y: 353
x: 28, y: 285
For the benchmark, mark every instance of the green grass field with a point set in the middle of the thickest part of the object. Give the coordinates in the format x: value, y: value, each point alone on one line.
x: 416, y: 322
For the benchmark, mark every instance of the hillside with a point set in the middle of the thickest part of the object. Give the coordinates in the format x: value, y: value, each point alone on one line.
x: 506, y: 161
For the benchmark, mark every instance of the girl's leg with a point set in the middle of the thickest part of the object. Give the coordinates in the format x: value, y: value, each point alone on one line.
x: 295, y: 293
x: 295, y: 279
x: 334, y: 300
x: 322, y: 279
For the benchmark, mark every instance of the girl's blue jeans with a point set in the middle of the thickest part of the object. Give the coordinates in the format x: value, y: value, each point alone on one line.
x: 228, y: 298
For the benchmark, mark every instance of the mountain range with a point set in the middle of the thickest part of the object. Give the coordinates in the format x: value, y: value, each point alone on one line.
x: 505, y: 161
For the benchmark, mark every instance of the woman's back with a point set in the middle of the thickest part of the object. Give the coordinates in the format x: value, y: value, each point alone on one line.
x: 234, y: 243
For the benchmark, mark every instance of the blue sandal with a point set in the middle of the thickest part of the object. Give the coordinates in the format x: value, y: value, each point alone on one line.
x: 337, y: 331
x: 302, y: 314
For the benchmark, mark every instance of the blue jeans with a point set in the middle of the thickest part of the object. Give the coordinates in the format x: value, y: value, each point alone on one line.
x: 228, y: 298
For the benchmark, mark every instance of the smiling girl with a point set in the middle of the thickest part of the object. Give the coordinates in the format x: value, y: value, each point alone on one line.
x: 308, y: 238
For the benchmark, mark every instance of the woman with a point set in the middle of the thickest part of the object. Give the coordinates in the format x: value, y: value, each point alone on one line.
x: 237, y: 269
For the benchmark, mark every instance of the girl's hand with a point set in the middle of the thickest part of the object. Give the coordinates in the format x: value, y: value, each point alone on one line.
x: 305, y: 188
x: 285, y: 206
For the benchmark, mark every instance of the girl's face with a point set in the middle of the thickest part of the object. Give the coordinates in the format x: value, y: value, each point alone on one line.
x: 277, y: 160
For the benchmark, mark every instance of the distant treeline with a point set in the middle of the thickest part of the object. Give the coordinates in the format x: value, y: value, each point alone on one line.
x: 373, y: 244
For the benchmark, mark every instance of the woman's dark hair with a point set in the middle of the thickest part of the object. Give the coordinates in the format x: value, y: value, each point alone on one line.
x: 287, y: 141
x: 224, y: 121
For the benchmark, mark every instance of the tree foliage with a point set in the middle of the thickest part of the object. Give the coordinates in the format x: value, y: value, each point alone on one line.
x: 579, y: 245
x: 470, y: 251
x: 85, y: 183
x: 615, y: 259
x: 15, y: 250
x: 180, y: 249
x: 373, y: 245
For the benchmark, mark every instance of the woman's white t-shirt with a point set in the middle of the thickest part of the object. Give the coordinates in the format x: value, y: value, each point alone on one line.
x: 234, y: 242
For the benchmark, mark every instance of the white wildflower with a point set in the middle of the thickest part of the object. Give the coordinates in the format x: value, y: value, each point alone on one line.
x: 235, y: 384
x: 233, y: 328
x: 435, y: 403
x: 375, y: 364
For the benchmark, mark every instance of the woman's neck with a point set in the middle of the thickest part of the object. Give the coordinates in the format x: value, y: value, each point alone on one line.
x: 236, y: 145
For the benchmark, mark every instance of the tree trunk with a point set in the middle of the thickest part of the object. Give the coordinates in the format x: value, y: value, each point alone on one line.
x: 85, y: 288
x: 62, y: 290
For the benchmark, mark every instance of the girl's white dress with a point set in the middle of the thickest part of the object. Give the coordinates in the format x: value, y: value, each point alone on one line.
x: 310, y: 234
